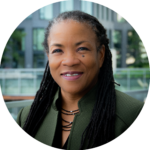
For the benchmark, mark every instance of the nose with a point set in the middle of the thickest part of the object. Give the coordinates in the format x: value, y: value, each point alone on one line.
x: 70, y: 60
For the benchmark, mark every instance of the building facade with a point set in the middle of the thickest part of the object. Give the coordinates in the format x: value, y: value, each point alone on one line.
x: 31, y: 52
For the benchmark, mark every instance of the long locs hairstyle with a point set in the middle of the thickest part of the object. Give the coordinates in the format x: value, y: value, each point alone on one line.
x: 101, y: 127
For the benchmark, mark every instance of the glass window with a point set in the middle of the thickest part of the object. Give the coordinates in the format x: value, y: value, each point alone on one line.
x: 117, y: 41
x: 98, y: 11
x: 46, y: 12
x: 22, y: 42
x: 107, y: 13
x: 38, y: 60
x: 120, y: 19
x: 18, y: 38
x: 86, y: 7
x: 112, y: 15
x: 102, y: 12
x: 18, y: 54
x: 38, y: 38
x: 20, y: 61
x: 66, y: 6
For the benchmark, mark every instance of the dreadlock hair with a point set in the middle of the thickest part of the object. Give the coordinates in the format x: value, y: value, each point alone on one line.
x: 101, y: 127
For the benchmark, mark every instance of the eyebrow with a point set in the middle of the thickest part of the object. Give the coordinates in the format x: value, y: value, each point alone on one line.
x: 60, y: 45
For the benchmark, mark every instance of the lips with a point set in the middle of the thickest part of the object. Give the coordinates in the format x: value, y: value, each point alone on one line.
x: 71, y: 72
x: 72, y: 78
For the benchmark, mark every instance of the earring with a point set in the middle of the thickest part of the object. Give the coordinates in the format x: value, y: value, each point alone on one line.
x: 82, y: 55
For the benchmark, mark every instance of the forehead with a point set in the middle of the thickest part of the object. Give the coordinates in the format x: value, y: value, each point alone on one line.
x: 71, y: 30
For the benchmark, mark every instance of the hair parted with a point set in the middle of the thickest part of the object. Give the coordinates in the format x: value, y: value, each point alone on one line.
x: 101, y: 127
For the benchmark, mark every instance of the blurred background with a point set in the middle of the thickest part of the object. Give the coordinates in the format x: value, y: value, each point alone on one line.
x: 24, y: 59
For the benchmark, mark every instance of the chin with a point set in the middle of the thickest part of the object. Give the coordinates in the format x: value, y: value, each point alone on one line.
x: 73, y: 89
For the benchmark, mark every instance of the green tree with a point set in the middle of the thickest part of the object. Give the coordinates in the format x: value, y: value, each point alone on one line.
x: 3, y: 57
x: 11, y: 54
x: 136, y: 51
x: 117, y: 45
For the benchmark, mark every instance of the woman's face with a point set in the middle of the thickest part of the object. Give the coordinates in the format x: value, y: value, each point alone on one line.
x: 73, y: 57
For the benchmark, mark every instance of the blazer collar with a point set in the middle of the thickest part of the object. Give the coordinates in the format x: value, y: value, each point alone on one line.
x: 83, y: 102
x: 55, y: 100
x: 81, y: 120
x: 47, y: 129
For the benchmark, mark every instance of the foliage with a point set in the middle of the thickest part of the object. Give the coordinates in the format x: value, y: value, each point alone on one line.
x: 136, y: 50
x: 117, y: 45
x: 4, y: 57
x: 12, y: 51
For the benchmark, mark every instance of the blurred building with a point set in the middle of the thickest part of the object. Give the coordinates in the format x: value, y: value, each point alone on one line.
x: 30, y: 49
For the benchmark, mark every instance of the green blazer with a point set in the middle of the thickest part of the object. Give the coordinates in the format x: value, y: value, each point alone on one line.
x: 127, y: 109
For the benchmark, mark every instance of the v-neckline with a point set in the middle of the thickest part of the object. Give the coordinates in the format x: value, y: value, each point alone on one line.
x: 66, y: 143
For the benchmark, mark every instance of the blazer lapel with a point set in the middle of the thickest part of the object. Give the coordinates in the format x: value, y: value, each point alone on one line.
x: 47, y: 129
x: 82, y: 119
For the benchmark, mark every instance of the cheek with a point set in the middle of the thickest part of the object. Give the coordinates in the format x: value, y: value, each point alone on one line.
x: 54, y: 66
x: 91, y: 62
x: 53, y: 63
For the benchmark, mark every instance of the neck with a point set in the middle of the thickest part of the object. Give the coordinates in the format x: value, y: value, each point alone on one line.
x: 69, y: 101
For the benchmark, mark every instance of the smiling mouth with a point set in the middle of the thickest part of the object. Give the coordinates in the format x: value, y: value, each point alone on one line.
x: 71, y: 73
x: 68, y: 75
x: 71, y: 77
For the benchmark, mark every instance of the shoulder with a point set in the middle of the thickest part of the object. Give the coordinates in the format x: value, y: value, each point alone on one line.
x: 128, y: 109
x: 22, y: 116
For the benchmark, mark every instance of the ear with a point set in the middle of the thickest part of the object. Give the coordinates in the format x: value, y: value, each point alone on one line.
x: 101, y: 55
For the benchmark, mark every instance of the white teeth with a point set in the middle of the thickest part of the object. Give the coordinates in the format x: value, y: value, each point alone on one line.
x: 68, y: 75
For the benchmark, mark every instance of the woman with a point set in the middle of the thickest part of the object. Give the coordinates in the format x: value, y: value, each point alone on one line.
x: 77, y: 106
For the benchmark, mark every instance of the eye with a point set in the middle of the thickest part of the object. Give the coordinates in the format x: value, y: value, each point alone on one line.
x: 57, y: 51
x: 83, y: 48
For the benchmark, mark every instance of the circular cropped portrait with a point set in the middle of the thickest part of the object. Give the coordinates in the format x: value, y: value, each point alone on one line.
x: 74, y: 75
